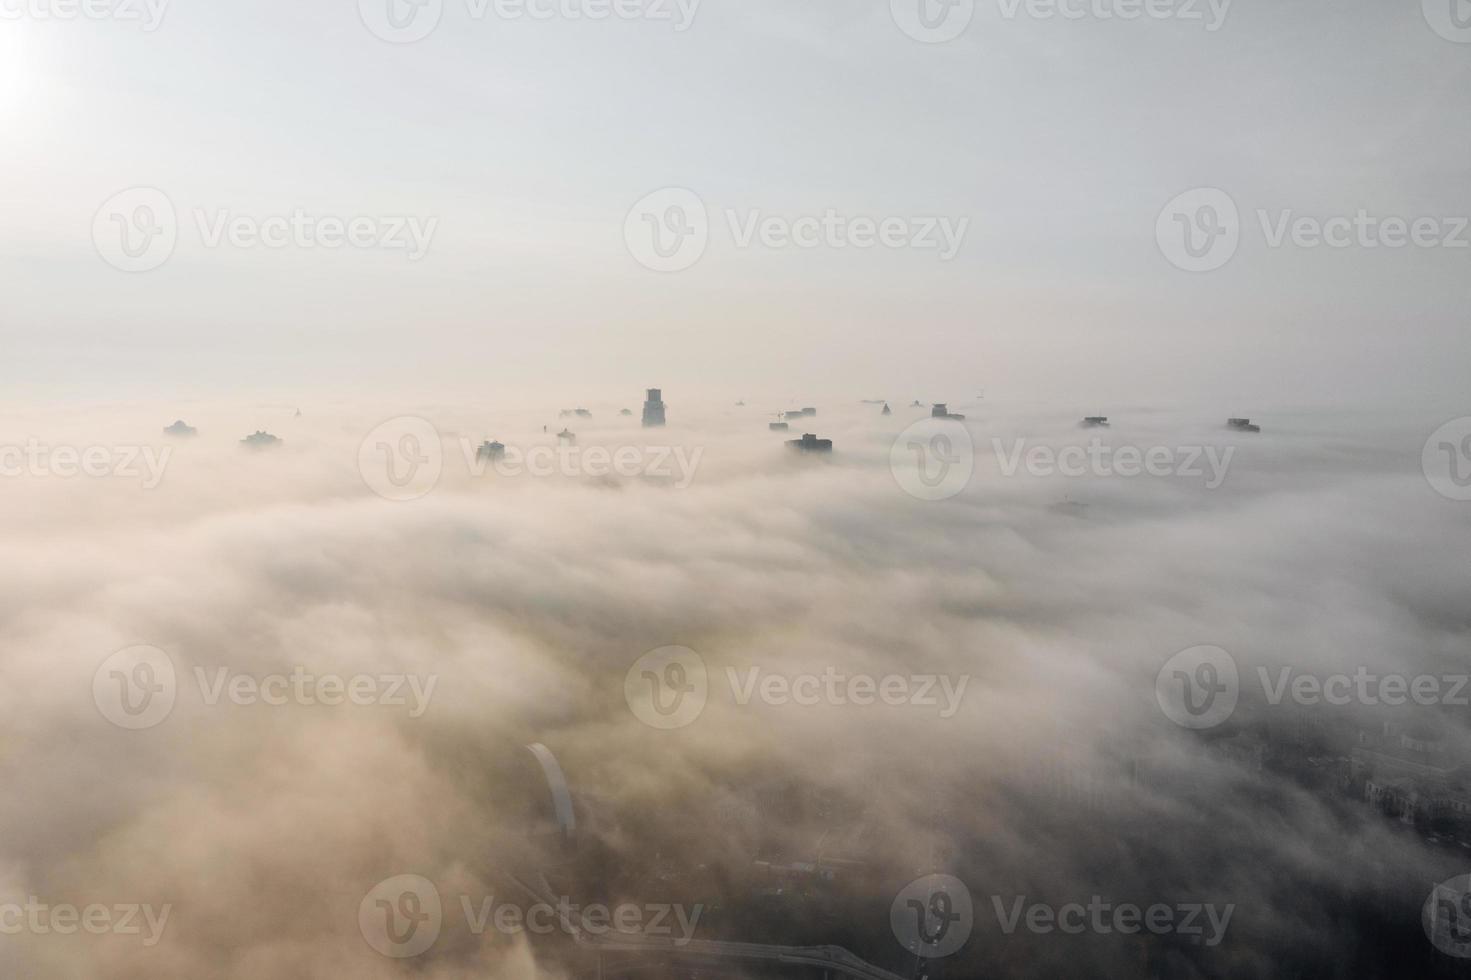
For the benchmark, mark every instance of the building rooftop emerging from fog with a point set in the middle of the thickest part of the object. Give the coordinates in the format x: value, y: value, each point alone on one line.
x: 491, y: 451
x: 180, y: 428
x: 939, y: 411
x: 1095, y: 420
x: 654, y: 408
x: 1243, y: 425
x: 809, y: 443
x: 260, y: 439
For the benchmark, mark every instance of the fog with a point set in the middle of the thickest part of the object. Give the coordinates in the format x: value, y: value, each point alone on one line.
x: 523, y: 601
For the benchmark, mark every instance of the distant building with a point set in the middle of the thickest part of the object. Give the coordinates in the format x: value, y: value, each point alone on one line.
x: 777, y: 426
x: 491, y: 451
x: 800, y: 413
x: 1411, y: 776
x: 916, y: 404
x: 740, y: 404
x: 809, y: 443
x: 887, y: 410
x: 567, y: 437
x: 654, y: 409
x: 1090, y: 421
x: 1243, y: 425
x: 260, y: 439
x: 939, y: 411
x: 180, y: 428
x: 626, y: 411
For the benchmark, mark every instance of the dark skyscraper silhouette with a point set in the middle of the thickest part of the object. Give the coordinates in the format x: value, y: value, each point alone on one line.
x: 654, y: 408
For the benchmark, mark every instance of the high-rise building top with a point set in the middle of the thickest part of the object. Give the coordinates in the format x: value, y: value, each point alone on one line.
x: 654, y: 408
x: 809, y: 443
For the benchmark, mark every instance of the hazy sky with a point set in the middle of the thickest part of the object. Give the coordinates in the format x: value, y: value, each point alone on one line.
x: 1059, y: 140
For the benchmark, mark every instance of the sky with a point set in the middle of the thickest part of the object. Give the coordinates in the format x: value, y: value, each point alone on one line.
x: 1058, y: 140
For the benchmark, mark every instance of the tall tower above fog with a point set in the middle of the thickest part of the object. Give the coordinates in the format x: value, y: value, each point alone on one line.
x: 654, y: 408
